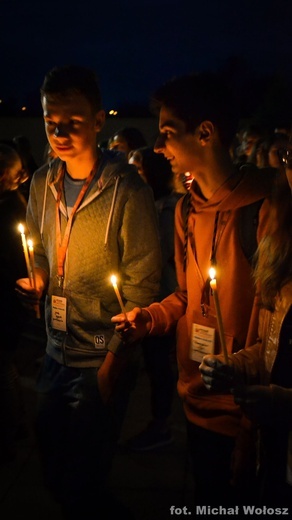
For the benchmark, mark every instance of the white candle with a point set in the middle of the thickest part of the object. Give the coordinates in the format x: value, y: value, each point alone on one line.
x: 25, y: 250
x: 213, y: 285
x: 33, y: 280
x: 116, y: 289
x: 32, y: 266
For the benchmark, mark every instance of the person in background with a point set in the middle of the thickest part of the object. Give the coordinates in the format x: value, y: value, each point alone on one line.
x: 126, y: 139
x: 29, y: 164
x: 197, y: 122
x: 259, y: 377
x: 82, y: 215
x: 283, y: 128
x: 250, y: 135
x: 12, y: 314
x: 159, y: 352
x: 266, y: 152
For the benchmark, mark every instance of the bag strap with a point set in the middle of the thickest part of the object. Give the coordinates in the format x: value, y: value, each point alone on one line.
x: 248, y: 225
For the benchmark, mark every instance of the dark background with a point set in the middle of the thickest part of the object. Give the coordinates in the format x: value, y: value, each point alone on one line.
x: 134, y: 46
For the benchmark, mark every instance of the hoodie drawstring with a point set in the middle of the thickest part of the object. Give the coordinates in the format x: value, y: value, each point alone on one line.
x: 111, y: 212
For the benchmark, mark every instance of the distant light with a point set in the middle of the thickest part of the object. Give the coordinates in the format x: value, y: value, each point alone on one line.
x: 23, y: 109
x: 1, y: 100
x: 113, y: 113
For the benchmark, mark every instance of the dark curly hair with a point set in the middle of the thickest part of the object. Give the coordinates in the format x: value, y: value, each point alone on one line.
x: 200, y: 97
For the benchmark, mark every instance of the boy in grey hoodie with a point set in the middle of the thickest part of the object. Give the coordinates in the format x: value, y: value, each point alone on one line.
x: 84, y: 210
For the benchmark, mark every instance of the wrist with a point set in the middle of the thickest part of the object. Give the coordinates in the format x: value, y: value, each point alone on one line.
x: 147, y: 319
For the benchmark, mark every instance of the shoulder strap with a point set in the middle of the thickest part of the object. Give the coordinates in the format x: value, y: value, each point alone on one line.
x: 248, y: 224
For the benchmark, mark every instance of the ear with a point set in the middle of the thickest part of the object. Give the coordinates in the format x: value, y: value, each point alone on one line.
x: 206, y: 131
x: 99, y: 120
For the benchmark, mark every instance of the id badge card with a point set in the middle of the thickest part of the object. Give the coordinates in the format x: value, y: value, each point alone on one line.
x: 59, y: 307
x: 202, y: 342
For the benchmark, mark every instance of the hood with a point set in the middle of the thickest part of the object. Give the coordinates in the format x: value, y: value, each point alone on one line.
x: 112, y: 167
x: 252, y: 184
x: 111, y: 164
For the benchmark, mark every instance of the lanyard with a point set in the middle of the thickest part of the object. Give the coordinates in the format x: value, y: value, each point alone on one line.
x: 214, y: 243
x: 205, y: 299
x: 62, y: 244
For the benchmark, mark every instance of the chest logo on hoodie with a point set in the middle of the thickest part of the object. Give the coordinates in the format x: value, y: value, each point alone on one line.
x: 99, y: 341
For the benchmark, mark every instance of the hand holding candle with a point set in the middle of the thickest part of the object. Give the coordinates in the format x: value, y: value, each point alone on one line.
x: 213, y: 285
x: 29, y: 260
x: 116, y: 289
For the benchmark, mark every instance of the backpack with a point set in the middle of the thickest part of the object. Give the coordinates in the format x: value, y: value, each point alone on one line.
x: 248, y: 224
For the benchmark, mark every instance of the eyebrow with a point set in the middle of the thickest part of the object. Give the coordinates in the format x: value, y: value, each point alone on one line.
x: 170, y: 122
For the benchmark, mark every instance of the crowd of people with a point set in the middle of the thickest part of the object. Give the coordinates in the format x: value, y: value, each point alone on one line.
x: 207, y: 194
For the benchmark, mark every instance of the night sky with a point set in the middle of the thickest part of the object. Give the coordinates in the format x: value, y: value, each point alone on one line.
x: 134, y: 46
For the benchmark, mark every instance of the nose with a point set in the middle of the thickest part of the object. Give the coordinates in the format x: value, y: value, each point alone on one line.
x: 59, y: 131
x: 159, y: 144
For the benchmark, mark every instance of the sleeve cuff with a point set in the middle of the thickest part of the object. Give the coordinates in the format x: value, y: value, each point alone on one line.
x: 116, y: 345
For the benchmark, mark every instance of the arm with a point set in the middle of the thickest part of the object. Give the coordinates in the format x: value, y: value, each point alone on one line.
x: 158, y: 318
x: 127, y: 333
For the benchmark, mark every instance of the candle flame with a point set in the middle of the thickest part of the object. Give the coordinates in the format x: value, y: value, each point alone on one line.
x: 212, y: 273
x: 29, y: 243
x: 21, y: 228
x: 114, y: 279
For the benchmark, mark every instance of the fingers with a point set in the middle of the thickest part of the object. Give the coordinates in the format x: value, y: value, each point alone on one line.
x: 213, y: 366
x: 207, y: 375
x: 219, y: 377
x: 210, y: 361
x: 215, y: 384
x: 207, y: 382
x: 119, y: 318
x: 131, y: 316
x: 24, y: 285
x: 27, y: 296
x: 129, y: 334
x: 123, y: 325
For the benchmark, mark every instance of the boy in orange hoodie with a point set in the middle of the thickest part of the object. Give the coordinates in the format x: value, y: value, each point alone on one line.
x: 197, y: 124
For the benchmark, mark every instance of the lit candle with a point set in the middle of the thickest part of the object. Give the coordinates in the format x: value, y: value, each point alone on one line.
x: 33, y: 280
x: 32, y: 266
x: 114, y: 282
x: 213, y: 285
x: 25, y: 250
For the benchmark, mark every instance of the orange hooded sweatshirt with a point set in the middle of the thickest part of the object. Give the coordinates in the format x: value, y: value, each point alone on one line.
x: 205, y: 408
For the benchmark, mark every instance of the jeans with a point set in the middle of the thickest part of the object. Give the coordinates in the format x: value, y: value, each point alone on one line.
x: 77, y: 435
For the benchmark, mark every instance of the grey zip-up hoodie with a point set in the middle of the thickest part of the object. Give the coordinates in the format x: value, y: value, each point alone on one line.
x: 114, y: 231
